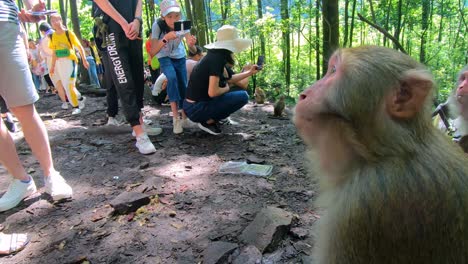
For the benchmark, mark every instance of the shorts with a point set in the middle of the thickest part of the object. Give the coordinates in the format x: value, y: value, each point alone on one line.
x: 14, y: 66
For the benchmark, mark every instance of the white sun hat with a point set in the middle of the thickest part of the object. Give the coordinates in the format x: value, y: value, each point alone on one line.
x: 227, y: 38
x: 169, y: 6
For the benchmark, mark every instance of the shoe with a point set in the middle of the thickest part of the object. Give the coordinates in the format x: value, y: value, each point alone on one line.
x: 187, y: 123
x: 81, y: 103
x: 144, y: 145
x: 213, y: 129
x: 111, y: 121
x: 227, y: 121
x: 16, y: 192
x: 76, y: 111
x: 177, y: 122
x: 9, y: 123
x: 13, y: 243
x: 147, y: 121
x: 57, y: 187
x: 64, y: 105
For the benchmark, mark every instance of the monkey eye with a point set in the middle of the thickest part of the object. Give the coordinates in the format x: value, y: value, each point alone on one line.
x: 333, y: 69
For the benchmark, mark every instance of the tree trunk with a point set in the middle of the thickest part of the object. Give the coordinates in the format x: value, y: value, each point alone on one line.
x: 398, y: 24
x: 424, y: 27
x: 351, y: 30
x: 63, y: 11
x: 188, y: 10
x: 317, y: 42
x: 286, y: 43
x: 330, y: 30
x: 262, y: 37
x: 387, y: 20
x: 346, y: 29
x: 199, y: 23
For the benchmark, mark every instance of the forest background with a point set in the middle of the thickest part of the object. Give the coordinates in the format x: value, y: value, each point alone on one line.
x: 298, y: 36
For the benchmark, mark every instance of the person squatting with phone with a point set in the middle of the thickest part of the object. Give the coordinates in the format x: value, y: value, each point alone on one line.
x: 125, y: 55
x: 209, y: 98
x: 167, y: 45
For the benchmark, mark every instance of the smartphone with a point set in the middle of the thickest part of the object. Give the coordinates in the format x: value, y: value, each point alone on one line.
x: 43, y: 13
x: 260, y: 61
x: 182, y: 25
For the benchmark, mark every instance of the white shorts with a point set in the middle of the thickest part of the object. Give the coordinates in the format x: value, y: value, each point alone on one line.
x: 16, y: 87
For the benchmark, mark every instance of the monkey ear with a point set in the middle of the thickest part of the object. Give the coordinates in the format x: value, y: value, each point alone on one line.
x: 406, y: 101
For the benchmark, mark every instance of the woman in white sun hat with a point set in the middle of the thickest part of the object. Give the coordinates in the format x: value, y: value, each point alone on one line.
x: 208, y: 98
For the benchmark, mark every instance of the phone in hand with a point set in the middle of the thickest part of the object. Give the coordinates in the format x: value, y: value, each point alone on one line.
x: 182, y: 25
x: 260, y: 61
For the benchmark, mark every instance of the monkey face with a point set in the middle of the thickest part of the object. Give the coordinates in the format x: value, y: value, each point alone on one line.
x: 462, y: 94
x: 312, y: 105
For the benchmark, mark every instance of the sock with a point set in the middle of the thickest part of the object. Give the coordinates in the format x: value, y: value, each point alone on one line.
x: 28, y: 181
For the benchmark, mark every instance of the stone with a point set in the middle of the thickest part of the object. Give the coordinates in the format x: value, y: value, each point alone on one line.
x: 270, y: 226
x: 248, y: 255
x: 218, y: 252
x: 128, y: 202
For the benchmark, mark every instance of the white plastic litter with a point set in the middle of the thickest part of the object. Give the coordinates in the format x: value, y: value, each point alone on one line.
x: 242, y: 167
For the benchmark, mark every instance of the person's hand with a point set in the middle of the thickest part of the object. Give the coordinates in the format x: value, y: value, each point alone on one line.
x: 191, y: 40
x: 133, y: 30
x: 52, y: 70
x: 247, y: 67
x: 170, y: 35
x: 85, y: 64
x: 253, y: 70
x: 26, y: 16
x: 126, y: 28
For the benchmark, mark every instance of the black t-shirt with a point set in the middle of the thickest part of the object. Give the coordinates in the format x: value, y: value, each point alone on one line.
x: 211, y: 65
x: 126, y: 8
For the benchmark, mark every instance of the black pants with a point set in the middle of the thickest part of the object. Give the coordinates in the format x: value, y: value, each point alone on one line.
x: 108, y: 82
x: 125, y: 59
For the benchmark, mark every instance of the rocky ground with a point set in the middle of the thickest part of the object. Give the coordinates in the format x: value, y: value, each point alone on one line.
x: 170, y: 207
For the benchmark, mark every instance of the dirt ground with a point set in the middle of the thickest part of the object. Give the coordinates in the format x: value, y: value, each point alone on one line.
x: 192, y: 203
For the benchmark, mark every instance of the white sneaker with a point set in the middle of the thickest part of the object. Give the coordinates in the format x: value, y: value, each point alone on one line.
x: 81, y: 103
x: 144, y: 145
x: 177, y: 122
x: 187, y: 123
x: 57, y: 187
x: 76, y: 111
x: 16, y: 192
x: 64, y: 106
x: 111, y: 121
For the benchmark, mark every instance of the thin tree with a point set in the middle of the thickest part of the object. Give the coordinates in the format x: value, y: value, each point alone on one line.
x: 424, y: 28
x: 262, y: 36
x: 330, y: 26
x: 317, y: 42
x: 199, y: 24
x: 286, y: 43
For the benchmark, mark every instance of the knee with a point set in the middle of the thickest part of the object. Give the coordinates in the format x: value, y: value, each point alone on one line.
x: 243, y: 97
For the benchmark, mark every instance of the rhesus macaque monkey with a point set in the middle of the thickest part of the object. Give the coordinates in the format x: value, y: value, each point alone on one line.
x: 394, y: 188
x: 259, y: 95
x: 458, y: 104
x: 279, y: 107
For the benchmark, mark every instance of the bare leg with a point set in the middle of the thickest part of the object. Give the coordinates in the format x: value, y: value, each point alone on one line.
x: 9, y: 157
x: 174, y: 109
x: 36, y: 135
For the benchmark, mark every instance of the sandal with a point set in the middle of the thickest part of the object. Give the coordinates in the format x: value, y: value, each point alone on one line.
x: 13, y: 243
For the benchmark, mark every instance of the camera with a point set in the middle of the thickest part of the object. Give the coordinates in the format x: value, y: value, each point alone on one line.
x: 182, y: 25
x: 260, y: 61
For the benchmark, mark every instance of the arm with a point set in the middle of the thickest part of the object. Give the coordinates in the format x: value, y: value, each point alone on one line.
x: 31, y: 5
x: 77, y: 45
x: 191, y: 40
x: 135, y: 25
x: 213, y: 88
x: 242, y: 79
x: 109, y: 9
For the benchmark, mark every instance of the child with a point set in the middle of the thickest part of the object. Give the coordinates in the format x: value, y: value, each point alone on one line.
x: 167, y: 46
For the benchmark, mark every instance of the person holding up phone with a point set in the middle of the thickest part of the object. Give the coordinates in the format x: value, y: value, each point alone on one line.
x: 209, y: 98
x: 167, y: 46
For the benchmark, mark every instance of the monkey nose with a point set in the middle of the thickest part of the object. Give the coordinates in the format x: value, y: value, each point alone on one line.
x: 302, y: 97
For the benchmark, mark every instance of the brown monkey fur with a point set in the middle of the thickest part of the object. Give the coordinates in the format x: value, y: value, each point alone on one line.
x: 259, y: 95
x: 279, y: 107
x: 394, y: 188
